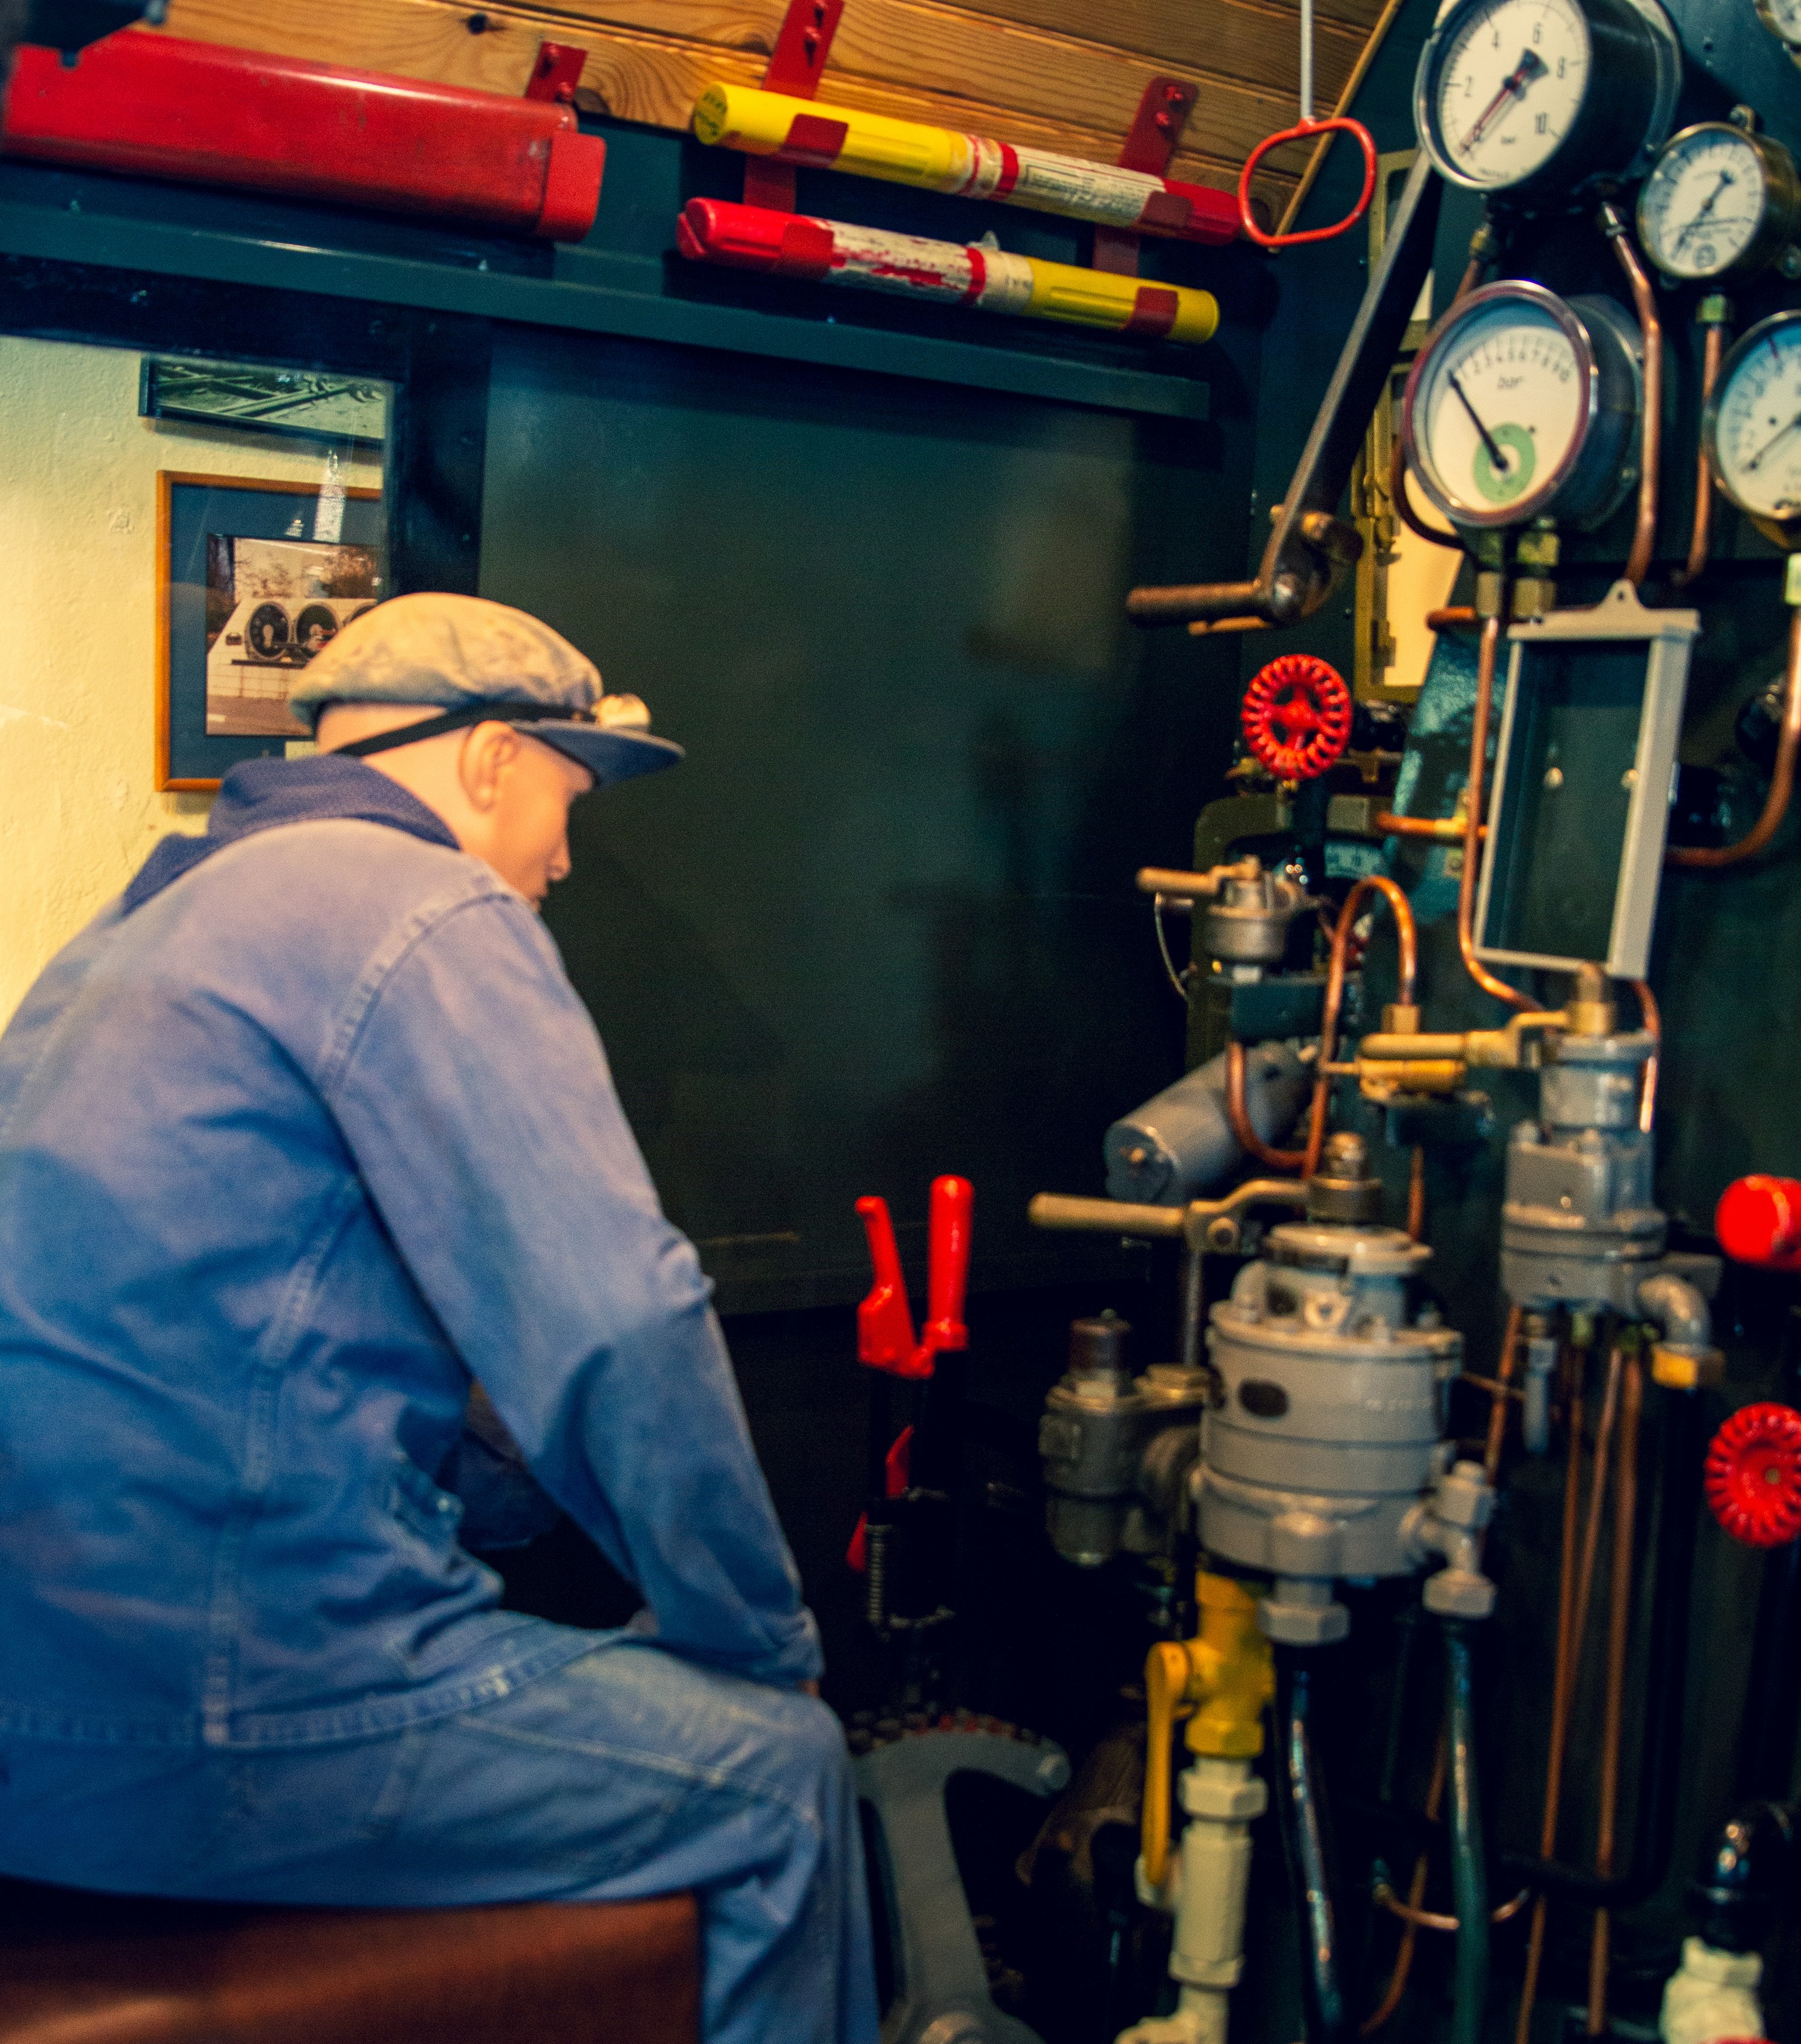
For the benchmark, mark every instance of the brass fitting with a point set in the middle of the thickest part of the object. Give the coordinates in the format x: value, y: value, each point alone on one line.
x: 1220, y: 1682
x: 1535, y: 592
x: 1590, y: 1009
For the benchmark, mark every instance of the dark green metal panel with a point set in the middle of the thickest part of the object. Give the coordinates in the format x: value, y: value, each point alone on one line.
x: 882, y: 924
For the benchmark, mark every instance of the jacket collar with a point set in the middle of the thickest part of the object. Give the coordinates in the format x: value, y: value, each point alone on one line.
x: 262, y: 794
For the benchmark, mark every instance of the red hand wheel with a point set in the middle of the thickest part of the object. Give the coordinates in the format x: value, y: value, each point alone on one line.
x: 1753, y: 1475
x: 1297, y: 717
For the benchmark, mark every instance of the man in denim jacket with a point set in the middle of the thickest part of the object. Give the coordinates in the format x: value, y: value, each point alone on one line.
x: 302, y: 1138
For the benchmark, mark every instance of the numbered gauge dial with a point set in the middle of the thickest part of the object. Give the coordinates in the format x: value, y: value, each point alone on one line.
x: 1537, y: 97
x: 1521, y: 406
x: 1752, y: 428
x: 1718, y: 199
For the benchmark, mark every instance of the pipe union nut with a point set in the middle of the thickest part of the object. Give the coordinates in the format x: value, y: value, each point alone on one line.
x: 1465, y: 1497
x: 1458, y: 1594
x: 1680, y: 1368
x: 1226, y: 1802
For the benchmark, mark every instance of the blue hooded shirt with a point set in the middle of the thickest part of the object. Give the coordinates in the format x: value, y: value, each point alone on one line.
x: 303, y: 1135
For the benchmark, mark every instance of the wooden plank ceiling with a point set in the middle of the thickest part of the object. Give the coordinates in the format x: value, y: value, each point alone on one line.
x: 1063, y: 75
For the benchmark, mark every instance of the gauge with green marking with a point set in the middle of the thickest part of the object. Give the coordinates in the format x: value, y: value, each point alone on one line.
x: 1523, y: 406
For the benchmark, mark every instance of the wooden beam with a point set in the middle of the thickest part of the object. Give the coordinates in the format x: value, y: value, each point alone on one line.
x: 655, y: 78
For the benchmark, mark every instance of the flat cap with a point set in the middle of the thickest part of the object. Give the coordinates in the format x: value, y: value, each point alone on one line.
x: 465, y: 654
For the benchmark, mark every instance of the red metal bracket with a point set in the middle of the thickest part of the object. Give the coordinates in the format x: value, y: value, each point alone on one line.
x: 1151, y: 142
x: 796, y: 65
x: 556, y: 73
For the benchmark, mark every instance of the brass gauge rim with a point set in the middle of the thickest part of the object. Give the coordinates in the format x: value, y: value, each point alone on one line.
x: 1513, y: 291
x: 1781, y: 215
x: 1767, y: 14
x: 1781, y: 531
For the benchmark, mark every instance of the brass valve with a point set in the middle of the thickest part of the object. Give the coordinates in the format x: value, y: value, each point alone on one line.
x: 1219, y: 1683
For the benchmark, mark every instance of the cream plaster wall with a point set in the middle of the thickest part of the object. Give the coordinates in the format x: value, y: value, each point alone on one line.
x: 79, y: 809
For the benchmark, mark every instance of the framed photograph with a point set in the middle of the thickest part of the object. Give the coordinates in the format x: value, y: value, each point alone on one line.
x: 254, y: 398
x: 253, y: 579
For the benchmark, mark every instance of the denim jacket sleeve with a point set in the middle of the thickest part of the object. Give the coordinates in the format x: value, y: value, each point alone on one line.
x: 474, y: 1095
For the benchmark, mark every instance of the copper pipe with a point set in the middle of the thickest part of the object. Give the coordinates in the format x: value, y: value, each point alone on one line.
x: 1574, y: 1361
x: 1445, y: 830
x: 1432, y: 1920
x: 1782, y: 780
x: 1416, y: 1192
x: 1416, y: 1894
x: 1372, y: 883
x: 1472, y: 819
x: 1701, y: 536
x: 1592, y: 1530
x: 1239, y: 1115
x: 1403, y: 504
x: 1451, y: 616
x: 1654, y: 1022
x: 1651, y: 421
x: 1619, y: 1615
x: 1498, y: 1397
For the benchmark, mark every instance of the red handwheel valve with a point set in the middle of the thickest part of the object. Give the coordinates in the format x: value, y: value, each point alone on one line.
x: 1753, y: 1475
x: 1758, y: 1221
x: 1297, y: 717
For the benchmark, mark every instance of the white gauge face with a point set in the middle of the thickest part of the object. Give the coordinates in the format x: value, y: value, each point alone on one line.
x: 1703, y: 202
x: 1758, y: 428
x: 1500, y: 406
x: 1509, y: 86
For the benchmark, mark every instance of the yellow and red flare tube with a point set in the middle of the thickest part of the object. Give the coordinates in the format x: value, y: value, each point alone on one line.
x: 832, y: 251
x: 907, y: 152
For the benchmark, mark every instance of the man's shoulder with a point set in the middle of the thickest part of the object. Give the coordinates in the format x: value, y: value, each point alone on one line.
x: 305, y: 914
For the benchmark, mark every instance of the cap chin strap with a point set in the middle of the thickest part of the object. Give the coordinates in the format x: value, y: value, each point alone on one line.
x: 511, y: 711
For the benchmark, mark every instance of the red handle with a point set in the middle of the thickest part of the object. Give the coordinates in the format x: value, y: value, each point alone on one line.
x: 885, y: 1320
x: 1302, y: 132
x: 947, y: 1279
x: 1758, y: 1221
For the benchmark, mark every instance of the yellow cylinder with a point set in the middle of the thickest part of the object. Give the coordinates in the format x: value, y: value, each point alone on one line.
x: 744, y: 116
x: 1098, y: 298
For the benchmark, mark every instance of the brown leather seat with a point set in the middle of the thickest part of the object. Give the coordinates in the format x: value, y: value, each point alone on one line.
x: 80, y: 1968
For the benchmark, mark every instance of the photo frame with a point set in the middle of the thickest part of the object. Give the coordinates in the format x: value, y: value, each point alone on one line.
x: 253, y: 579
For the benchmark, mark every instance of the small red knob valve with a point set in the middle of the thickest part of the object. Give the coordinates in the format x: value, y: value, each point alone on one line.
x: 1758, y: 1220
x: 1297, y: 717
x: 1753, y: 1475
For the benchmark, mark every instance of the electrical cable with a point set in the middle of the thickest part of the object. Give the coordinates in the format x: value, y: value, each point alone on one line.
x: 1176, y: 979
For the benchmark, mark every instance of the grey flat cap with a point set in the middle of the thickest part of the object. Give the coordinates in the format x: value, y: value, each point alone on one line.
x: 475, y: 659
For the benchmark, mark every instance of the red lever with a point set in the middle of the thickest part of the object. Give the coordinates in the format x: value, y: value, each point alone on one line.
x: 1753, y: 1475
x: 1304, y: 131
x: 897, y: 1474
x: 885, y: 1320
x: 948, y: 1279
x: 1758, y: 1220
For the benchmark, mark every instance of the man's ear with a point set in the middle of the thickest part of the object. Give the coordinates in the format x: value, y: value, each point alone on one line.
x: 487, y: 752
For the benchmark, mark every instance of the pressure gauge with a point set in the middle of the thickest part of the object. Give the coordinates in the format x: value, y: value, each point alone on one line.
x: 1520, y: 405
x: 1752, y: 427
x: 1719, y: 198
x: 1536, y: 98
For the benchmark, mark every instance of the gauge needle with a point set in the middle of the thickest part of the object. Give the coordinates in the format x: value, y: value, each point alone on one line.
x: 1513, y: 86
x: 1496, y: 453
x: 1712, y: 200
x: 1774, y: 440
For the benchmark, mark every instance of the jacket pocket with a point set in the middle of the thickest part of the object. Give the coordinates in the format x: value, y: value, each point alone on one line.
x: 433, y: 1514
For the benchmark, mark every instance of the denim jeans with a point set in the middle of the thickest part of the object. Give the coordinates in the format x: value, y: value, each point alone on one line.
x: 626, y: 1772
